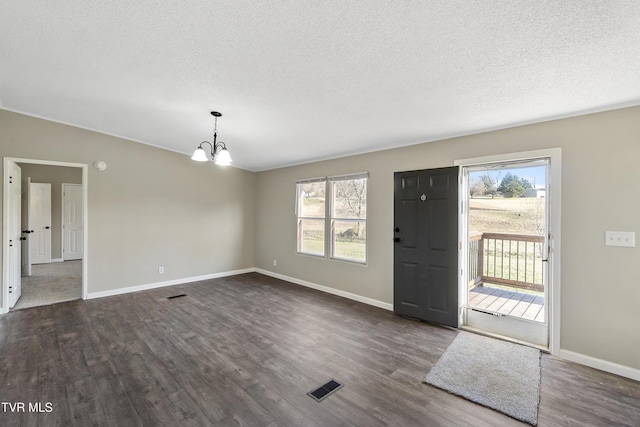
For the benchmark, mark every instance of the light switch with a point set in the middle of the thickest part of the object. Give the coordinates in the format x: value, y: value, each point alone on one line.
x: 620, y: 238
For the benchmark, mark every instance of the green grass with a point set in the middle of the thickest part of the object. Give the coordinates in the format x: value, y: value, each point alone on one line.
x: 510, y: 216
x: 520, y: 215
x: 513, y: 265
x: 351, y: 249
x: 513, y: 268
x: 345, y: 249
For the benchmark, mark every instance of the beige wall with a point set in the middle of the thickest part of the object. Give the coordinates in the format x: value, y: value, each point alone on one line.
x: 56, y: 176
x: 600, y: 158
x: 152, y: 207
x: 149, y: 208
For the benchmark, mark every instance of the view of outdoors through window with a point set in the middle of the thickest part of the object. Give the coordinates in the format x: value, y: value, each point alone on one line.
x: 508, y: 200
x: 347, y: 217
x: 311, y: 214
x: 506, y: 240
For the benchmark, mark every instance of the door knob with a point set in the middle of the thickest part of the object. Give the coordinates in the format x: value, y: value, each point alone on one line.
x: 47, y: 227
x: 396, y: 239
x: 23, y: 238
x: 396, y: 229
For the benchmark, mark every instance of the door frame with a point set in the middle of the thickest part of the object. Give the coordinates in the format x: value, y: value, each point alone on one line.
x: 5, y: 221
x: 554, y: 200
x: 26, y: 254
x: 10, y: 233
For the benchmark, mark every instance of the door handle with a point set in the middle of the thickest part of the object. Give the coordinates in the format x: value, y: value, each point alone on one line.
x: 23, y: 238
x: 397, y: 230
x: 27, y: 231
x: 396, y: 239
x: 47, y: 227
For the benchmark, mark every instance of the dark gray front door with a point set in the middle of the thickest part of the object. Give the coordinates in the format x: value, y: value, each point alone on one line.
x: 426, y: 245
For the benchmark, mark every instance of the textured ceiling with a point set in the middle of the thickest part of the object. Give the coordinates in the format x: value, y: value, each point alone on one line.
x: 299, y: 80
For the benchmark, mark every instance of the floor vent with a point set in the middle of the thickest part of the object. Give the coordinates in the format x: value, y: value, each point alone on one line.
x: 325, y: 390
x: 177, y: 296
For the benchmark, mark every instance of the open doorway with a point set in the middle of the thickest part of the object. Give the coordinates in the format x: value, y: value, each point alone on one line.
x: 47, y: 273
x: 507, y: 256
x: 507, y: 229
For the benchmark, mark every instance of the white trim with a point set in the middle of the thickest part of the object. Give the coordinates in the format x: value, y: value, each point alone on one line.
x: 603, y: 365
x: 85, y: 214
x: 5, y: 231
x: 311, y: 180
x: 56, y: 260
x: 508, y: 157
x: 85, y: 185
x: 357, y: 175
x: 332, y: 291
x: 554, y: 200
x: 148, y: 286
x: 463, y: 244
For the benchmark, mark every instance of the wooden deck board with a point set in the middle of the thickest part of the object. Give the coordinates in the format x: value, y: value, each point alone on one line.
x: 511, y: 303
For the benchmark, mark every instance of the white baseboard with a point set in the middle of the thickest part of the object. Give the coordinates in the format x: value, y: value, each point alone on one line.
x: 349, y: 295
x: 603, y: 365
x: 120, y: 291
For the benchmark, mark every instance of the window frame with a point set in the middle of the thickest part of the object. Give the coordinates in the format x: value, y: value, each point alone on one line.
x: 333, y: 218
x: 300, y: 218
x: 330, y: 219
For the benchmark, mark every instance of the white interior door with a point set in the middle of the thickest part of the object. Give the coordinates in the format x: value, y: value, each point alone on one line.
x: 14, y: 233
x: 40, y: 223
x: 72, y: 224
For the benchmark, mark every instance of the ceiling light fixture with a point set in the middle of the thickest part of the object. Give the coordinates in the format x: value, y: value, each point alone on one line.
x: 219, y: 153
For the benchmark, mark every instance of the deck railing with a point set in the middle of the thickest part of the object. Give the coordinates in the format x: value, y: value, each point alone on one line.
x: 507, y: 259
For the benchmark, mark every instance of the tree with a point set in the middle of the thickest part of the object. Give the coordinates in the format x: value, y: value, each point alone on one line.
x: 490, y: 184
x: 526, y: 183
x: 477, y: 188
x: 351, y: 196
x: 513, y: 186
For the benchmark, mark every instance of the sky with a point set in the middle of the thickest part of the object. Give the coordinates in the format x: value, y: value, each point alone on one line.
x: 535, y: 174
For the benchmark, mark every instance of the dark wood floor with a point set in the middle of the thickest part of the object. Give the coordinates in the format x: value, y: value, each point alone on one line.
x: 244, y: 351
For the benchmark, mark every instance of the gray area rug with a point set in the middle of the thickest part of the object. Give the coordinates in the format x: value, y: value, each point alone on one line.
x: 494, y: 373
x: 51, y: 284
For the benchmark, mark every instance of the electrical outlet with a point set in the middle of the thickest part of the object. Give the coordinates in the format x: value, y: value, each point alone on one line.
x: 275, y: 263
x: 160, y: 270
x: 620, y: 238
